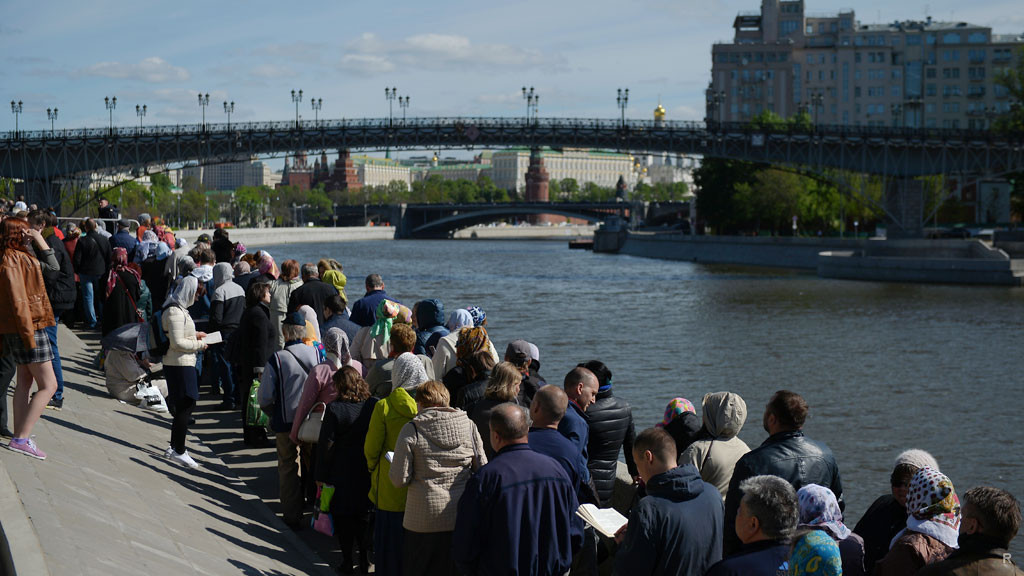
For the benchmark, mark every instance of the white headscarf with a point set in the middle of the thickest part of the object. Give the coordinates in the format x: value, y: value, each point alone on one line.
x: 336, y: 344
x: 310, y: 317
x: 183, y: 294
x: 408, y: 372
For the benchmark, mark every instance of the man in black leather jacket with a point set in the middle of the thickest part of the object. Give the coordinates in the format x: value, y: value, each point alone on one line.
x: 786, y: 453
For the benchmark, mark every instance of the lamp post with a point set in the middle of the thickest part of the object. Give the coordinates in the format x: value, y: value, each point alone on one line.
x: 817, y: 100
x: 110, y: 103
x: 390, y: 94
x: 897, y: 111
x: 622, y: 100
x: 317, y: 104
x: 51, y: 115
x: 531, y: 98
x: 140, y: 111
x: 296, y: 98
x: 856, y: 228
x: 334, y: 213
x: 403, y: 103
x: 16, y: 108
x: 229, y: 108
x: 715, y: 100
x: 204, y: 101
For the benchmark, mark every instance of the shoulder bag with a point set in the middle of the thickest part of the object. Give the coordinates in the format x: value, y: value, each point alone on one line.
x: 309, y: 430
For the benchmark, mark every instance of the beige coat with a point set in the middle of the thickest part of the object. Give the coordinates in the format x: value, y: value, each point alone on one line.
x: 724, y: 415
x: 435, y: 455
x: 280, y: 292
x: 181, y: 335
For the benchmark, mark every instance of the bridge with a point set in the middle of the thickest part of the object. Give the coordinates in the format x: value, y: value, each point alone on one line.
x: 42, y: 158
x: 443, y: 220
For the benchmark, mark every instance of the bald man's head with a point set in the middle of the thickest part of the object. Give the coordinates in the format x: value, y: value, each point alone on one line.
x: 548, y: 407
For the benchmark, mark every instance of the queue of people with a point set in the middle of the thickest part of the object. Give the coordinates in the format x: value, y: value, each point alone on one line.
x: 437, y: 455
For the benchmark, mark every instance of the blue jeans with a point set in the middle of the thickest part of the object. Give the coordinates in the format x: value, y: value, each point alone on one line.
x: 51, y: 333
x: 92, y: 305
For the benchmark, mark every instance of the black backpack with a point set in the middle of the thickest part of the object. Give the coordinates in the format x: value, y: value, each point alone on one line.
x: 159, y: 343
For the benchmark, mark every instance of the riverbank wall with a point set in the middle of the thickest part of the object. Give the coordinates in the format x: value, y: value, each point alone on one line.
x: 926, y: 261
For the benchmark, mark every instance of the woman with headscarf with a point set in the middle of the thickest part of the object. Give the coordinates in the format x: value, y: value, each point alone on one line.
x: 341, y: 463
x: 470, y: 341
x: 718, y: 449
x: 819, y: 510
x: 335, y: 278
x: 681, y: 422
x: 312, y: 325
x: 389, y: 416
x: 180, y: 364
x: 317, y: 387
x: 815, y: 554
x: 123, y: 288
x: 933, y: 524
x: 429, y: 325
x: 445, y: 357
x: 374, y: 342
x: 25, y: 313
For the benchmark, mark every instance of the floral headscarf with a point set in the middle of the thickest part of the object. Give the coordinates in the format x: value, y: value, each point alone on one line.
x: 675, y: 407
x: 933, y: 506
x: 119, y: 263
x: 470, y: 341
x: 387, y: 311
x: 479, y: 316
x: 268, y: 266
x: 820, y: 509
x: 815, y: 553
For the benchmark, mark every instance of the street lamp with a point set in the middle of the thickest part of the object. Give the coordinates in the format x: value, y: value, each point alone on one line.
x: 16, y: 109
x: 403, y: 103
x: 817, y: 100
x: 51, y: 115
x: 204, y: 101
x: 856, y: 226
x: 317, y: 103
x: 296, y: 98
x: 110, y: 103
x: 390, y: 94
x: 715, y: 100
x: 229, y: 108
x: 140, y: 111
x: 531, y: 101
x: 622, y: 99
x: 334, y: 213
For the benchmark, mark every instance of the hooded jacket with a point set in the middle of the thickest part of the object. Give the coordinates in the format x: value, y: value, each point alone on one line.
x: 675, y: 529
x: 430, y: 319
x: 435, y: 455
x: 389, y: 416
x: 611, y: 427
x: 228, y: 300
x: 716, y: 457
x: 60, y: 284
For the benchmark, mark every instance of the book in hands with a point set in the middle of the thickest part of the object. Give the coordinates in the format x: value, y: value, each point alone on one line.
x: 213, y: 338
x: 607, y: 521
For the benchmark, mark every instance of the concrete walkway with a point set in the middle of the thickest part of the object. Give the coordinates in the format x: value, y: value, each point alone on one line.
x: 106, y: 502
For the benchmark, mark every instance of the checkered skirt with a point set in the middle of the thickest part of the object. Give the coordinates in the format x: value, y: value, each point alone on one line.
x: 43, y: 352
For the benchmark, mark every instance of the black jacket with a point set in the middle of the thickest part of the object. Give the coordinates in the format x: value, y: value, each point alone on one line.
x: 611, y: 428
x: 878, y: 526
x: 92, y: 255
x: 60, y: 284
x: 790, y: 456
x: 253, y: 342
x: 676, y: 529
x: 223, y: 250
x: 313, y: 293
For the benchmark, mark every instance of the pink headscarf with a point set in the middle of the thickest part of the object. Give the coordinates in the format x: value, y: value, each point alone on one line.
x: 268, y: 266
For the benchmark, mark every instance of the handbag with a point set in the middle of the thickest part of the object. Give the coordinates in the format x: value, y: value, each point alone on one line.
x: 254, y: 415
x: 309, y: 430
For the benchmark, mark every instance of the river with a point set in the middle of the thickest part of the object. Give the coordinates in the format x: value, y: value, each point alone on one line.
x: 884, y: 367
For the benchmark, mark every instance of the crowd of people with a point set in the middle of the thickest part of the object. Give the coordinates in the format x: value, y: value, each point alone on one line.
x: 436, y: 455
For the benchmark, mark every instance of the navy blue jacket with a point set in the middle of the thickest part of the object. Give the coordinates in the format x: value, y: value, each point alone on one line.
x: 575, y: 427
x: 517, y: 516
x: 430, y: 319
x: 675, y: 529
x: 551, y: 443
x: 764, y: 558
x: 364, y: 310
x: 125, y: 239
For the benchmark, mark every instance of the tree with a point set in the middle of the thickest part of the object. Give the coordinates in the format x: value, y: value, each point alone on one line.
x: 717, y: 205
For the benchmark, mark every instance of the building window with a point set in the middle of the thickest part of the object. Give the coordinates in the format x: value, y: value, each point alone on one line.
x: 895, y: 91
x: 810, y: 29
x: 930, y: 39
x: 977, y: 38
x: 856, y: 57
x: 950, y: 55
x: 913, y: 40
x: 929, y: 73
x: 951, y: 38
x: 931, y: 90
x: 810, y: 58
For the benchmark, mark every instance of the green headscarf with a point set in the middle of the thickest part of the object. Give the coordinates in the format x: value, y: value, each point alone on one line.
x: 386, y: 313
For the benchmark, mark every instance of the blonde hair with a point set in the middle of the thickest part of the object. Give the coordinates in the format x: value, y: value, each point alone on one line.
x: 432, y: 394
x: 505, y: 379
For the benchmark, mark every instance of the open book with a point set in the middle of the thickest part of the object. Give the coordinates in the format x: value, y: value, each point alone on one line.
x: 607, y: 521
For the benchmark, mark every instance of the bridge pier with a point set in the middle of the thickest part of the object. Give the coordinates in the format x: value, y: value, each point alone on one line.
x: 904, y: 205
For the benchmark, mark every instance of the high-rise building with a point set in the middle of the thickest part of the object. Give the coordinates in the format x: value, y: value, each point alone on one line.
x: 920, y: 73
x: 228, y: 176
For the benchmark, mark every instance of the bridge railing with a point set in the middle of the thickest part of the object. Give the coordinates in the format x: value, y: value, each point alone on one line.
x: 629, y: 127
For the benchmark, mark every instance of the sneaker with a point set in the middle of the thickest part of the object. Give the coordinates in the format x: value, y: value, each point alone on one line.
x: 184, y: 459
x: 55, y: 404
x: 28, y: 448
x: 169, y: 452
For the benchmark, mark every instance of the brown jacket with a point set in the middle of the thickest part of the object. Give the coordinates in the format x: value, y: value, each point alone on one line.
x: 24, y: 307
x: 911, y: 552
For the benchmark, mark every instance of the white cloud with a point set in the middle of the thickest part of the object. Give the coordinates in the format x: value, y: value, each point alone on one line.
x: 152, y: 69
x: 370, y: 55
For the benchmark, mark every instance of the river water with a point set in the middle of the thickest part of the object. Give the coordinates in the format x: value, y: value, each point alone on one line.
x: 884, y: 367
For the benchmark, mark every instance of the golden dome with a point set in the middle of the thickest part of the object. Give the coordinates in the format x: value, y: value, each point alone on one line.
x: 659, y: 112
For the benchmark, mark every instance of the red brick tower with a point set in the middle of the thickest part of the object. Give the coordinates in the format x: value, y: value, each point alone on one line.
x: 537, y: 185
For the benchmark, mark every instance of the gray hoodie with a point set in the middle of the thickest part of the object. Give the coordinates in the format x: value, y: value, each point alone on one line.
x: 228, y: 301
x: 716, y: 457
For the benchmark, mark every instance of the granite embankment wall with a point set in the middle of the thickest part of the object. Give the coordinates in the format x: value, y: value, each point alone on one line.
x: 256, y: 237
x: 786, y: 252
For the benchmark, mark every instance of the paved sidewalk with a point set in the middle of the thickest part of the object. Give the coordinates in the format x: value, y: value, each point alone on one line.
x: 106, y: 502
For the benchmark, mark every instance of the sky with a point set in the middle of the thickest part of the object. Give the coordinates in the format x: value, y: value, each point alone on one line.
x: 450, y: 57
